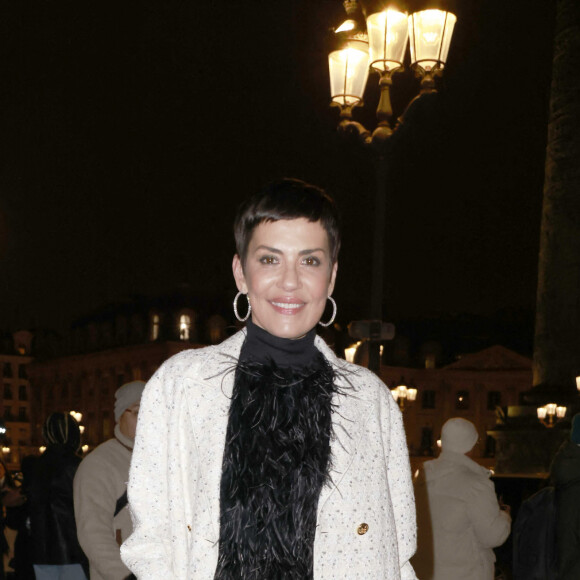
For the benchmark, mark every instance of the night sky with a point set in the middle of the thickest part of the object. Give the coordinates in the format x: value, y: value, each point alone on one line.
x: 129, y: 133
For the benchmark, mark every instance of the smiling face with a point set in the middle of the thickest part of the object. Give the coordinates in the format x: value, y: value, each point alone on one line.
x: 288, y: 275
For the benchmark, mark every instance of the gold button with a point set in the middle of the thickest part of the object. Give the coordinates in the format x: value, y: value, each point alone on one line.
x: 362, y: 529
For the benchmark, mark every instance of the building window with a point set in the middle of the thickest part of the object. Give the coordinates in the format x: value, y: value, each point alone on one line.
x: 462, y: 400
x: 7, y: 413
x: 22, y: 372
x: 426, y: 441
x: 489, y: 446
x: 184, y: 327
x: 7, y: 391
x: 22, y: 394
x: 155, y: 327
x: 7, y: 370
x: 428, y: 399
x: 493, y: 400
x: 22, y: 414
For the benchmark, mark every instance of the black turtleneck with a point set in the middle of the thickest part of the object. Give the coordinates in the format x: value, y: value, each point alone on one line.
x: 276, y: 458
x: 262, y: 347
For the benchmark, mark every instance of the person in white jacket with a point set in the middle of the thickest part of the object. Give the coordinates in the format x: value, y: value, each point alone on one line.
x: 459, y: 519
x: 266, y: 456
x: 100, y: 491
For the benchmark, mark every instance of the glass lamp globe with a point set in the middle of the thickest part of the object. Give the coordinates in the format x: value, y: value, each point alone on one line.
x: 430, y: 33
x: 388, y: 34
x: 349, y: 71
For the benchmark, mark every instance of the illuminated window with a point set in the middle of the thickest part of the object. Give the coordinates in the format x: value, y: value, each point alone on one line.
x: 184, y: 327
x: 155, y: 327
x: 462, y: 400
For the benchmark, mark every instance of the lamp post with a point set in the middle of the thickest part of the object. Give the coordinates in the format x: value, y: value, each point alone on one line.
x: 378, y: 43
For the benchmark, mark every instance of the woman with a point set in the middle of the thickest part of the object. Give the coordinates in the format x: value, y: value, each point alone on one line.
x: 267, y: 457
x: 48, y: 484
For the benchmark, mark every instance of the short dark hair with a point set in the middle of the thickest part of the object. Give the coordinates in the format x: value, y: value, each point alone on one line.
x: 287, y: 199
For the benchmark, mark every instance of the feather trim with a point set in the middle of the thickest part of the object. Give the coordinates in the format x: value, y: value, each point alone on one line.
x: 276, y: 461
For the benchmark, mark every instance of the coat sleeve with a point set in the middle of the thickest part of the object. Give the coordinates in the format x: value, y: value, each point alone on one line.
x: 148, y: 551
x: 400, y: 483
x: 95, y: 503
x: 490, y: 524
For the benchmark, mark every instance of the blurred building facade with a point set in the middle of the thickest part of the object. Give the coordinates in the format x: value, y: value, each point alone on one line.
x: 112, y: 346
x: 15, y: 358
x: 478, y: 387
x: 119, y: 343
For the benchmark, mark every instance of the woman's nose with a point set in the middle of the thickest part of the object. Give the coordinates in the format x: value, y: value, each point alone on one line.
x: 290, y: 279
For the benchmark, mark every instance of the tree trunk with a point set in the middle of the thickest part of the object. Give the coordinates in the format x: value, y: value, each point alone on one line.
x: 557, y: 334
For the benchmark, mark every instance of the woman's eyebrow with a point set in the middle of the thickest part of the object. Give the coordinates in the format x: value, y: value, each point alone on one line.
x: 303, y: 252
x: 269, y: 249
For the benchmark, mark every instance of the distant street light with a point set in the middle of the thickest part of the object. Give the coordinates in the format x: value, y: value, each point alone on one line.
x: 378, y: 43
x: 77, y: 416
x: 403, y: 394
x: 551, y: 414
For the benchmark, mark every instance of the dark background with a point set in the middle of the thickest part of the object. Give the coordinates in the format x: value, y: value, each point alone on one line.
x: 129, y: 133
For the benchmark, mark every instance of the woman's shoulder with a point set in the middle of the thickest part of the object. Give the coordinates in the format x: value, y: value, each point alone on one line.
x: 189, y: 362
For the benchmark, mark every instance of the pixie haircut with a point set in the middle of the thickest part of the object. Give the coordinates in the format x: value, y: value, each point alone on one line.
x: 287, y: 199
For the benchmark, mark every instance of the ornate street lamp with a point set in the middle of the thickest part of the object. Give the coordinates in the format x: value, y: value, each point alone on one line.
x: 403, y: 394
x: 551, y: 414
x: 378, y: 42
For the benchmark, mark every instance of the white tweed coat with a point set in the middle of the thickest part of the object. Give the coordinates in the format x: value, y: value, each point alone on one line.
x: 175, y: 474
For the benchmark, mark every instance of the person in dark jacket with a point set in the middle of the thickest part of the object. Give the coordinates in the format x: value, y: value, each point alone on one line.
x: 56, y: 553
x: 565, y: 474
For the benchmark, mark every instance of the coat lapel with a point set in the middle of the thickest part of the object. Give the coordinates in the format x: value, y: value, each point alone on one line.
x: 349, y: 417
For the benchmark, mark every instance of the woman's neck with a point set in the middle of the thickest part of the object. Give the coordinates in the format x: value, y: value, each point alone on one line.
x: 262, y: 347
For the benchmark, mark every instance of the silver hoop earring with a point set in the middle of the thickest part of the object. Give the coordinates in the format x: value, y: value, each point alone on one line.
x: 236, y: 307
x: 333, y: 314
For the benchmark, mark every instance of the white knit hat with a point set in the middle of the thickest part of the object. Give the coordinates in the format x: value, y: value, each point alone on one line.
x: 127, y: 395
x: 458, y: 435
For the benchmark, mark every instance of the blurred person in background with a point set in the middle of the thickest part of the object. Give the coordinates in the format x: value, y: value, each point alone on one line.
x: 565, y: 475
x: 459, y: 519
x: 18, y: 519
x: 100, y: 491
x: 12, y: 499
x: 56, y: 553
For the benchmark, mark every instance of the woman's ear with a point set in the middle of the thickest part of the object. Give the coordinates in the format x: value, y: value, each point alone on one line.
x: 239, y: 275
x: 332, y: 278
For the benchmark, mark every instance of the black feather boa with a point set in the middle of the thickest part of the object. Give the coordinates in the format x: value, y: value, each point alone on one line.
x: 276, y: 461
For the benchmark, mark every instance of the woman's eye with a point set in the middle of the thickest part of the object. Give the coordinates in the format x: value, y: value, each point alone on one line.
x: 311, y: 261
x: 268, y: 260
